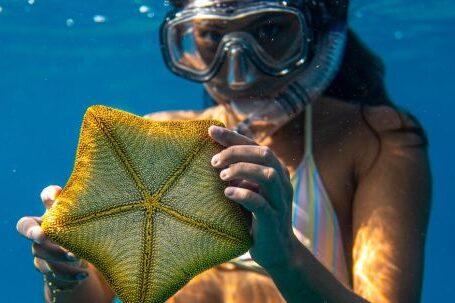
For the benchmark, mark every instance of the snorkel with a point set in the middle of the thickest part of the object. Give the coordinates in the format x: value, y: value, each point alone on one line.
x: 306, y: 88
x: 309, y: 72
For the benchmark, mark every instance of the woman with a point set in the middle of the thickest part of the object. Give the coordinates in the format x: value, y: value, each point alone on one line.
x: 337, y: 178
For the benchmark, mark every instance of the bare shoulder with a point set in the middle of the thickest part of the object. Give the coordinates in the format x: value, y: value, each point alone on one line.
x: 342, y: 123
x: 209, y: 113
x: 383, y: 122
x: 396, y: 127
x: 367, y: 131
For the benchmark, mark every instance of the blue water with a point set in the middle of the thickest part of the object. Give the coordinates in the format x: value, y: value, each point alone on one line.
x: 59, y: 57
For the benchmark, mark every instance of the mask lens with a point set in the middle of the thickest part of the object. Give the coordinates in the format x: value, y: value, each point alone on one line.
x: 279, y: 35
x: 184, y: 48
x: 276, y: 37
x: 208, y: 34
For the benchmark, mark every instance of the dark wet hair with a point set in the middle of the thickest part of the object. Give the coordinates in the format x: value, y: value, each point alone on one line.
x: 360, y: 80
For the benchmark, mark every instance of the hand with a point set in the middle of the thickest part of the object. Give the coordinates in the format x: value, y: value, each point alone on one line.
x: 60, y: 267
x: 261, y: 184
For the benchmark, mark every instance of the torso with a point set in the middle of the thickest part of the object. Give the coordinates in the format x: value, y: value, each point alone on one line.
x: 342, y: 146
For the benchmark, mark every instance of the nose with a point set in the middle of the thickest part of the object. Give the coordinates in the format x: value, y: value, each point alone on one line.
x: 240, y: 68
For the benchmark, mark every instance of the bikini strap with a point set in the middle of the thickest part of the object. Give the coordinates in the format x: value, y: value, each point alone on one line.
x: 308, y: 131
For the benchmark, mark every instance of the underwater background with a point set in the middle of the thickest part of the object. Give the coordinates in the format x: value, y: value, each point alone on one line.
x: 59, y: 57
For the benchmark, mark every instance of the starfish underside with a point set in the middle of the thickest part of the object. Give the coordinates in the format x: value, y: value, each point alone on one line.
x: 144, y: 205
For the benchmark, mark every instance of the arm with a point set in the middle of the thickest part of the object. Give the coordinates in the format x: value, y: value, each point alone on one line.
x: 68, y: 279
x: 265, y: 190
x: 92, y: 289
x: 390, y: 213
x: 390, y: 217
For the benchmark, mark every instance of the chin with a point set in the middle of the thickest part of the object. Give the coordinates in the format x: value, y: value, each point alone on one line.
x: 258, y: 91
x: 265, y: 87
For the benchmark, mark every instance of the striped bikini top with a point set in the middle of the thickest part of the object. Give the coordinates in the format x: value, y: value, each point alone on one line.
x: 314, y: 219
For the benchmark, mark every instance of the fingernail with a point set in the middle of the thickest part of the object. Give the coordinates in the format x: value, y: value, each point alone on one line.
x: 81, y: 276
x: 49, y: 193
x: 214, y: 129
x: 71, y: 257
x: 48, y: 269
x: 215, y: 160
x: 229, y: 191
x: 53, y: 194
x: 224, y: 174
x: 33, y: 234
x: 45, y: 195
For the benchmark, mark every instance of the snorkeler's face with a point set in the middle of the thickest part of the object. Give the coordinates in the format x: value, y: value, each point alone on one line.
x: 272, y: 32
x: 242, y: 50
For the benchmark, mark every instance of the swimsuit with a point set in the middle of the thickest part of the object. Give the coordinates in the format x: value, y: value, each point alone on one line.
x: 314, y: 220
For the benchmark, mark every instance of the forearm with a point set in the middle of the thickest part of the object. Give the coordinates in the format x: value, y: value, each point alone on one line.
x: 302, y: 278
x: 92, y: 289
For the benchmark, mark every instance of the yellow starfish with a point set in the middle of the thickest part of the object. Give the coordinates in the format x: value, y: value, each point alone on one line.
x: 145, y: 206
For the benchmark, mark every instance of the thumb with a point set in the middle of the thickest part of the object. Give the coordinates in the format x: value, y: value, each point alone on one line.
x: 49, y: 194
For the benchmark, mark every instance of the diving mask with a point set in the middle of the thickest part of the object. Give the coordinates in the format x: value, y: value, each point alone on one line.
x: 197, y: 40
x: 274, y: 36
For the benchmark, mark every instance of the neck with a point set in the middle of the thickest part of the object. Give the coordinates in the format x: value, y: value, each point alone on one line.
x: 287, y: 142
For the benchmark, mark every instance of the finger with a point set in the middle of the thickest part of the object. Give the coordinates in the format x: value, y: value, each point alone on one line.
x: 52, y: 252
x: 250, y: 200
x: 49, y: 194
x: 30, y: 228
x: 41, y: 265
x: 262, y: 155
x: 245, y: 184
x: 66, y: 272
x: 228, y: 137
x: 266, y: 177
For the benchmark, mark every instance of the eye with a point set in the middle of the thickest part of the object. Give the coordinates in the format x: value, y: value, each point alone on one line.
x: 268, y: 32
x: 210, y: 36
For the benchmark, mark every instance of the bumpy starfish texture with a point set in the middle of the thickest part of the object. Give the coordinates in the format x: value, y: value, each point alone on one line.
x: 145, y: 206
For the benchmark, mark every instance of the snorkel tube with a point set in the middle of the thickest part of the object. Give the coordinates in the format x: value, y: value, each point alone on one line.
x: 307, y: 87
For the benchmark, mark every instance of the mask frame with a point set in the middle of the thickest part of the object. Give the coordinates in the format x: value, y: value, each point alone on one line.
x: 255, y: 52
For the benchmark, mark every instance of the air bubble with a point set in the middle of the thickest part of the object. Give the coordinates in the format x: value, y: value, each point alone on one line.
x: 398, y: 35
x: 144, y: 9
x: 69, y: 22
x: 31, y: 2
x: 151, y: 15
x: 1, y: 9
x: 99, y: 19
